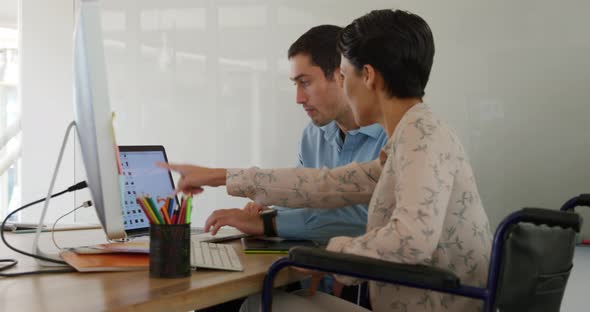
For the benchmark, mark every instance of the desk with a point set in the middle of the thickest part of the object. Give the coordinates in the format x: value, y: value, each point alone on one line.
x: 124, y: 291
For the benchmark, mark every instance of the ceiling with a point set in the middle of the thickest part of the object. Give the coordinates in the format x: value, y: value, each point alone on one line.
x: 8, y: 13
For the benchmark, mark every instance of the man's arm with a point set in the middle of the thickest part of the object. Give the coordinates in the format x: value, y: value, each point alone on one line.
x: 321, y: 224
x: 238, y: 218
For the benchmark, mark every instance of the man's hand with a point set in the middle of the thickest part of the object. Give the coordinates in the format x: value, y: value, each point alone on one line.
x: 238, y: 218
x: 254, y: 208
x: 316, y: 277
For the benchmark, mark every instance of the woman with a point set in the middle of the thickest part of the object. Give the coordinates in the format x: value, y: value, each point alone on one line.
x: 424, y: 206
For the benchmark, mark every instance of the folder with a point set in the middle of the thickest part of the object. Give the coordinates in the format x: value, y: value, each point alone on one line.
x: 255, y: 245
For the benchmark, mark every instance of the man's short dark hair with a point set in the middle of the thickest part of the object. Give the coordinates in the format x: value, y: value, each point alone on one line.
x: 321, y: 44
x: 398, y: 44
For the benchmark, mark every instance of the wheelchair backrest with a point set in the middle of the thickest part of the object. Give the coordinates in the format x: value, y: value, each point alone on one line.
x: 536, y: 263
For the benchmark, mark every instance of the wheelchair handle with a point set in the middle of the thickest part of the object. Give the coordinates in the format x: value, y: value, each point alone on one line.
x: 580, y: 200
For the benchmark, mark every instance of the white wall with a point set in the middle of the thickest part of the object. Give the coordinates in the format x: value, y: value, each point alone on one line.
x: 208, y: 79
x: 8, y: 13
x: 46, y: 98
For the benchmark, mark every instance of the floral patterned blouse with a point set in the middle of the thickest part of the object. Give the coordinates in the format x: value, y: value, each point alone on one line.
x: 424, y: 208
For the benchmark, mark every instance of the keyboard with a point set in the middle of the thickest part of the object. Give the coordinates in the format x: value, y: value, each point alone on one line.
x: 196, y: 231
x: 214, y: 256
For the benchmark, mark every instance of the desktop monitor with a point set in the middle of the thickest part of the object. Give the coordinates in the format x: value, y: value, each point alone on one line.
x: 94, y: 121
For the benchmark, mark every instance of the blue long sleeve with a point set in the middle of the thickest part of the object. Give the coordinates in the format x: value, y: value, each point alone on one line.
x: 324, y: 147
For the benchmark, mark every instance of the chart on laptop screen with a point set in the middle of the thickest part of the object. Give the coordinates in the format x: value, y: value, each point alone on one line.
x: 142, y: 177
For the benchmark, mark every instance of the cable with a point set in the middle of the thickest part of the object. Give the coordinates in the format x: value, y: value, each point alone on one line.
x: 12, y: 262
x: 85, y: 204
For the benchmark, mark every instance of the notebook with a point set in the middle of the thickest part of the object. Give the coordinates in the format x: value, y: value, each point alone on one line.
x: 257, y: 245
x: 106, y: 262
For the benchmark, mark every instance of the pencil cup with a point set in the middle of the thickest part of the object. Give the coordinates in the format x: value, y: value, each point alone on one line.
x: 170, y: 250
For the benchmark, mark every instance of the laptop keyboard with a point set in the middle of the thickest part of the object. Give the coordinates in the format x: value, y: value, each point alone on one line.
x: 214, y: 256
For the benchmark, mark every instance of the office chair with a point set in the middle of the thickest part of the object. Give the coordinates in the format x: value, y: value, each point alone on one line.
x: 529, y: 267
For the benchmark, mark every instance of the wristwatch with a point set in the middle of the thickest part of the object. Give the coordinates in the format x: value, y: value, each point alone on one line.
x: 268, y: 217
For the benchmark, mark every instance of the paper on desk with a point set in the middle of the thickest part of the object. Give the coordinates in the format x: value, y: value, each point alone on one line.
x: 128, y: 247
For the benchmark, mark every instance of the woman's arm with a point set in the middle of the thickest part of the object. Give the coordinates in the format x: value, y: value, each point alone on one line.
x: 193, y: 178
x: 292, y: 187
x: 306, y: 187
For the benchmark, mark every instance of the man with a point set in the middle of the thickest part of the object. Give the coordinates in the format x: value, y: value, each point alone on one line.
x: 331, y: 139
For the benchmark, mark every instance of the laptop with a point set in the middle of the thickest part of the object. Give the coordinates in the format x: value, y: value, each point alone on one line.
x: 142, y: 176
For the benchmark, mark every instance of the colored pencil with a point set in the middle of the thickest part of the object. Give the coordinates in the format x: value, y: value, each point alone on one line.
x: 189, y: 208
x: 165, y: 207
x: 149, y: 209
x: 182, y: 212
x: 176, y: 213
x: 170, y: 206
x: 165, y: 215
x: 145, y: 211
x: 155, y: 210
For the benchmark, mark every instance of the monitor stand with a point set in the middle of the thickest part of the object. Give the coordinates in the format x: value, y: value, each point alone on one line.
x: 51, y: 260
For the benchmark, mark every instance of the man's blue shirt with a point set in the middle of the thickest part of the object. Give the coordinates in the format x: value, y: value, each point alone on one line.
x: 324, y: 147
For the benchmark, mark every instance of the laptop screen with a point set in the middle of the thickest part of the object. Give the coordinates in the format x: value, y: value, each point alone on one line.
x: 142, y: 177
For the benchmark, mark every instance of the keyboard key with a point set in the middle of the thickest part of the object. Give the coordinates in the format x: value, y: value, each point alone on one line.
x: 214, y: 256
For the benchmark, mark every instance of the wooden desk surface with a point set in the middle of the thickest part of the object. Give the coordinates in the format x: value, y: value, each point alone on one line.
x: 124, y: 291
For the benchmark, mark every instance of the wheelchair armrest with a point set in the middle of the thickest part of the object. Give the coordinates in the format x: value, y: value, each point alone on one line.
x: 373, y: 269
x: 551, y: 218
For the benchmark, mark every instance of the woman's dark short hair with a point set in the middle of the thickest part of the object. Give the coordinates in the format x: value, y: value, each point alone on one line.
x: 321, y: 44
x: 398, y: 44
